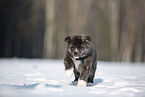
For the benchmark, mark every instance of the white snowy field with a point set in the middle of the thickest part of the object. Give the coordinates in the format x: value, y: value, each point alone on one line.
x: 46, y: 78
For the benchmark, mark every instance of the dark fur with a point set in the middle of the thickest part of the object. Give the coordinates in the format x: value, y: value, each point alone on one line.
x: 79, y: 47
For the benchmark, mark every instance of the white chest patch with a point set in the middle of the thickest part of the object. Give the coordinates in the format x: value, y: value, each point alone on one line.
x: 77, y: 63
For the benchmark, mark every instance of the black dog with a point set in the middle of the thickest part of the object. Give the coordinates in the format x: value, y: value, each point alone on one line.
x: 80, y: 58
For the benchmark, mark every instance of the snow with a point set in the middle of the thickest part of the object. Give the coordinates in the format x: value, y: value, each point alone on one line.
x: 46, y: 78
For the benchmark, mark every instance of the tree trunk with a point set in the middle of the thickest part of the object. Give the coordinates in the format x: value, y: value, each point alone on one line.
x: 49, y: 40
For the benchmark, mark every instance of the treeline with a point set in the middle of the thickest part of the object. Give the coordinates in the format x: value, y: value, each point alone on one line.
x: 37, y: 28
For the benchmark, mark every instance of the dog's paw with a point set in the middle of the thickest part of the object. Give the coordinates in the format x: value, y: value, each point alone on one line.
x: 81, y: 83
x: 90, y: 84
x: 69, y: 72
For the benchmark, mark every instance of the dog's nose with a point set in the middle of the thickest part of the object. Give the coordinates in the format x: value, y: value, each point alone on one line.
x: 75, y: 53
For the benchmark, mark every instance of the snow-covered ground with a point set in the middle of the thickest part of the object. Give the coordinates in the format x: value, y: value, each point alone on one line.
x: 46, y: 78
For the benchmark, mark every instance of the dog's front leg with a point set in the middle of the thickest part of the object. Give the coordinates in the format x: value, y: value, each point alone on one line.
x: 83, y: 76
x: 68, y: 66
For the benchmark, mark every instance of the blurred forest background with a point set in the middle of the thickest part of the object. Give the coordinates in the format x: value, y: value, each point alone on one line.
x: 37, y: 28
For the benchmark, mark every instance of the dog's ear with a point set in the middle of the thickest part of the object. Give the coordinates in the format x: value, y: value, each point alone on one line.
x: 87, y: 39
x: 67, y: 39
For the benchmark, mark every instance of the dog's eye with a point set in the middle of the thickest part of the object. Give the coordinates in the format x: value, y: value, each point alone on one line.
x: 80, y: 47
x: 72, y: 48
x: 87, y: 47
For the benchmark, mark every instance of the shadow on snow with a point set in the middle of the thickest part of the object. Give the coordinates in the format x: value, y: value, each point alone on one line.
x: 97, y: 81
x: 32, y: 86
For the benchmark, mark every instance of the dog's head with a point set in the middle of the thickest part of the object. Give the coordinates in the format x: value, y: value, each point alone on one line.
x: 78, y: 46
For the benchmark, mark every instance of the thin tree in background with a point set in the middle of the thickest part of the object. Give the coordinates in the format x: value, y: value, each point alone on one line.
x: 49, y: 40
